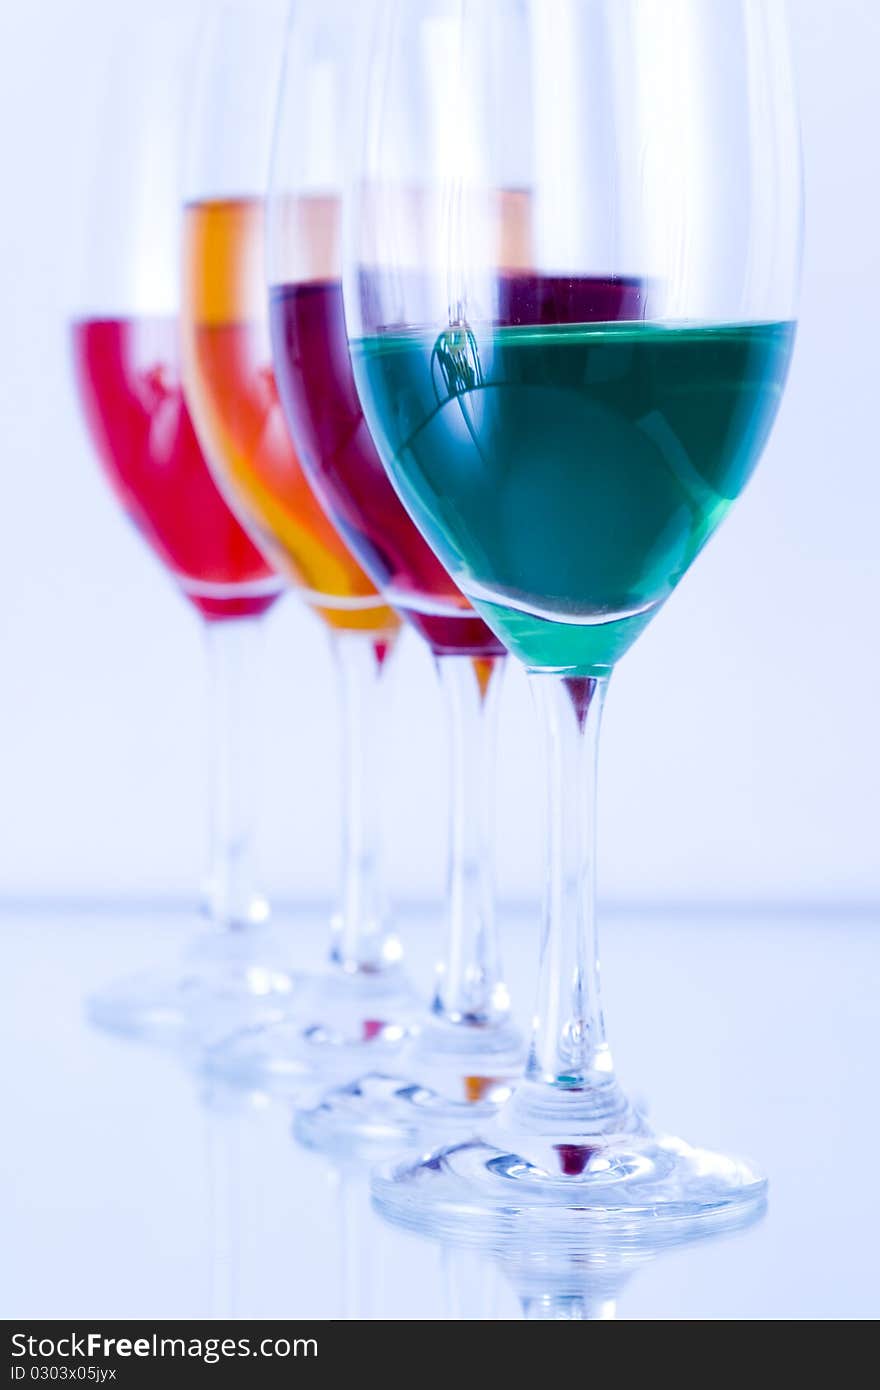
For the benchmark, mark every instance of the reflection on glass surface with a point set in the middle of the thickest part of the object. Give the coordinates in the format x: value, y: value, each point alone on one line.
x: 568, y: 1282
x: 348, y: 1158
x: 255, y: 1222
x: 576, y: 1274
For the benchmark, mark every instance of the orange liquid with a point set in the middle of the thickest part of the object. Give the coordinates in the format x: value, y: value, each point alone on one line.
x: 231, y: 393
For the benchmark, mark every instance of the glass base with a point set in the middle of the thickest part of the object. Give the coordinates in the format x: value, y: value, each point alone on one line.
x: 573, y: 1195
x: 224, y: 981
x: 334, y: 1026
x: 465, y: 1074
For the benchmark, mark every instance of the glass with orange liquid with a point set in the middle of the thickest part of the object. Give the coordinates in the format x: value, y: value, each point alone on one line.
x: 363, y: 1000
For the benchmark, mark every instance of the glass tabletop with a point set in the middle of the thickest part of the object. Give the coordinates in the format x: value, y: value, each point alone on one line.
x: 135, y: 1189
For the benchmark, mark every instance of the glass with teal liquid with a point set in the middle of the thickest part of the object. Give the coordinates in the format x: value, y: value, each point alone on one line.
x: 572, y: 257
x: 568, y: 474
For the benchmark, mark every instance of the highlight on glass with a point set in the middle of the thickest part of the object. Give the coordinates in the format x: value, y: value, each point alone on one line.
x: 362, y: 1002
x: 126, y: 358
x: 571, y: 262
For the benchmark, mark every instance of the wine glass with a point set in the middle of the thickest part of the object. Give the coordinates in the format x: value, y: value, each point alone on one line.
x: 361, y: 1003
x: 567, y: 434
x: 466, y: 1051
x: 126, y: 358
x: 466, y: 1047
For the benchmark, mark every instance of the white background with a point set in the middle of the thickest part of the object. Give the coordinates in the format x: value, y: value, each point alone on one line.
x: 741, y: 751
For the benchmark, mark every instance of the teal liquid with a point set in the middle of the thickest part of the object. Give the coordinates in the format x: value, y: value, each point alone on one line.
x: 567, y: 476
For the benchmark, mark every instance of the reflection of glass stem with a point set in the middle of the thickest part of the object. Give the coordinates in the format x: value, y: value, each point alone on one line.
x: 353, y: 1202
x: 579, y: 1287
x: 569, y: 1308
x: 470, y: 1284
x: 470, y: 988
x: 234, y: 650
x: 224, y: 1197
x: 362, y: 941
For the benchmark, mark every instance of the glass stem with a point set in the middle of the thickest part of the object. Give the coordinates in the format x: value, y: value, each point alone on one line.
x: 570, y: 1084
x: 470, y: 988
x: 362, y: 941
x: 234, y: 656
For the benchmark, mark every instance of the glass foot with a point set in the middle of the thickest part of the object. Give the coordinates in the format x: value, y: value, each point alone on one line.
x: 465, y: 1074
x: 572, y: 1194
x: 224, y: 981
x: 334, y: 1026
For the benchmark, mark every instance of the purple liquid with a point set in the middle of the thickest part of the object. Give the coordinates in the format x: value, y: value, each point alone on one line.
x: 324, y: 416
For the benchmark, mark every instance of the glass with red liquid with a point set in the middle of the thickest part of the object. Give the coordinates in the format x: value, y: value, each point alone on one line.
x: 126, y: 362
x: 127, y: 374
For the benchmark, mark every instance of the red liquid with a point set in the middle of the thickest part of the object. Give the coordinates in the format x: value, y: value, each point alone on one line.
x: 128, y: 376
x: 316, y: 385
x: 573, y: 1158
